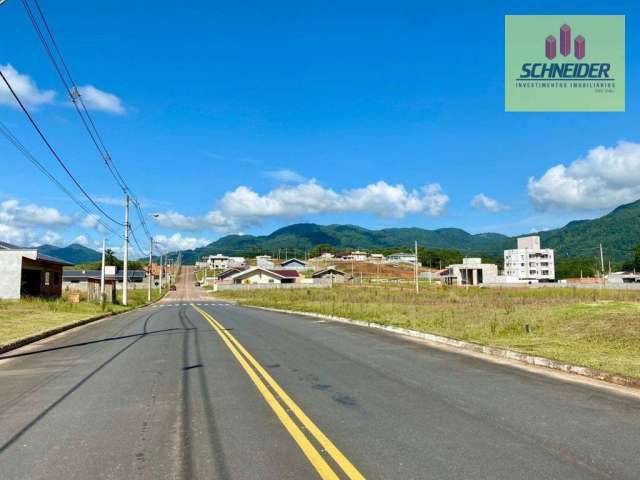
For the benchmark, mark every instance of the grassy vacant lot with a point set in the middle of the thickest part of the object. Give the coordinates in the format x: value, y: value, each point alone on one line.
x: 599, y: 329
x: 29, y: 316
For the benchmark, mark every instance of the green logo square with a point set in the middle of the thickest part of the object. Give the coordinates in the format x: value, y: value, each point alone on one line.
x: 564, y: 63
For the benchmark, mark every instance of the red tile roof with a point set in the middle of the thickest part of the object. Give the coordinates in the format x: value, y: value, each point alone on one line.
x: 286, y: 273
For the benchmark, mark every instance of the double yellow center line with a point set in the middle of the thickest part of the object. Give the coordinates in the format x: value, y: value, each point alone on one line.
x: 271, y: 392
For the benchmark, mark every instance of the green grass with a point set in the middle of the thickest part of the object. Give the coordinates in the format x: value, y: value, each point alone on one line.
x: 595, y: 328
x: 26, y: 317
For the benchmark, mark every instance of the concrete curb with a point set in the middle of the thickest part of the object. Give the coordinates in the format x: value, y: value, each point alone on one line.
x: 477, y: 348
x: 21, y: 342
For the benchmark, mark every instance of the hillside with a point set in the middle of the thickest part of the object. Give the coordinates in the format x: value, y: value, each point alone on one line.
x: 304, y: 236
x: 73, y: 253
x: 619, y: 232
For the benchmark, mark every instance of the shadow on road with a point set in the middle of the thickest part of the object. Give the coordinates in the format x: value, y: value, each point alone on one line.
x: 82, y: 344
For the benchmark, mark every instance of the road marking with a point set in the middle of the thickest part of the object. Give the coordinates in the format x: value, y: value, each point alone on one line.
x: 243, y: 356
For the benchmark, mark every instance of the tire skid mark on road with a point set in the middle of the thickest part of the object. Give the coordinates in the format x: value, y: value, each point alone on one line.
x: 283, y: 405
x: 73, y: 389
x: 54, y: 375
x: 186, y: 423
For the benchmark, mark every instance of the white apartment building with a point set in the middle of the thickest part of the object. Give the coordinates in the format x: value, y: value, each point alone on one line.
x: 529, y: 261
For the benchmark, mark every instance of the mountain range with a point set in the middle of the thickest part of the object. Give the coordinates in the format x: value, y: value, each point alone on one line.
x: 74, y: 253
x: 618, y: 231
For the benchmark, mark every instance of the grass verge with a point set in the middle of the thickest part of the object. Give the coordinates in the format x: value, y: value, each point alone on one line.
x: 19, y: 319
x: 599, y: 329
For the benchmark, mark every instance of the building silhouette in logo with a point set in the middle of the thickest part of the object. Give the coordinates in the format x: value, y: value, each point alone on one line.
x: 579, y: 44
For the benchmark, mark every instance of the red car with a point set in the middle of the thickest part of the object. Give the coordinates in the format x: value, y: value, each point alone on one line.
x: 173, y: 288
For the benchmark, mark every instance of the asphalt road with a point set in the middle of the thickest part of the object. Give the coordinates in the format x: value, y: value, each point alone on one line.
x: 220, y: 391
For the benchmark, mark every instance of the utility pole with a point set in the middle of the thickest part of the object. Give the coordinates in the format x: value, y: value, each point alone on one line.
x: 161, y: 271
x: 150, y: 270
x: 415, y: 268
x: 125, y: 273
x: 102, y: 274
x: 602, y: 264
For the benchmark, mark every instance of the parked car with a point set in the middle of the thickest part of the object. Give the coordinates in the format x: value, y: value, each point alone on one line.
x: 197, y: 284
x: 173, y: 288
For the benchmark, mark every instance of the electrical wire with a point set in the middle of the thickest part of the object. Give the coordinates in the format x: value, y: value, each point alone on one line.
x: 54, y: 153
x: 78, y: 102
x: 8, y: 134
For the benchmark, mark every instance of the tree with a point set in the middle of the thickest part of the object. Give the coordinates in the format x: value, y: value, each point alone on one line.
x: 636, y: 258
x: 322, y: 248
x: 110, y: 258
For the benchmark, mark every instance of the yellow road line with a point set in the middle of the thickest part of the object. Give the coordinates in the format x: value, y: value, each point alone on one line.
x: 348, y: 468
x: 321, y: 466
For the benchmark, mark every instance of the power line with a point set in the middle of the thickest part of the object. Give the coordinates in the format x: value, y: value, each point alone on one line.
x: 4, y: 130
x: 135, y: 240
x: 78, y: 102
x: 72, y: 89
x: 53, y: 151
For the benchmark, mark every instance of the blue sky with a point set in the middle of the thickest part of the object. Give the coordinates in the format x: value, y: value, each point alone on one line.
x: 245, y: 118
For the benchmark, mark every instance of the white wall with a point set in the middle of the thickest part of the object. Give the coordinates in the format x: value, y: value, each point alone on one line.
x: 10, y: 274
x: 528, y: 264
x: 260, y: 278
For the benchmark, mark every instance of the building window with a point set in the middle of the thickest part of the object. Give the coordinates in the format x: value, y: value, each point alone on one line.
x: 47, y: 279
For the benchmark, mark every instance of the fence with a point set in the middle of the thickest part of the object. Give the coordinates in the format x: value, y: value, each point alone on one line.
x: 270, y: 286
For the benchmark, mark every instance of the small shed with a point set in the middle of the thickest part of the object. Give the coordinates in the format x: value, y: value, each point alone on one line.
x: 93, y: 289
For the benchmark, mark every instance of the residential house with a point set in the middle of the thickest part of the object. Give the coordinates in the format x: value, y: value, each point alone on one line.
x: 25, y: 271
x: 264, y: 261
x: 623, y: 277
x: 259, y: 275
x: 218, y: 261
x: 329, y: 274
x: 470, y: 272
x: 235, y: 262
x: 376, y: 258
x: 293, y: 264
x: 358, y: 256
x: 402, y: 258
x: 225, y: 277
x: 80, y: 280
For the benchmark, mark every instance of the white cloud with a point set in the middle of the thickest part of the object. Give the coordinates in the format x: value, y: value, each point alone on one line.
x: 178, y: 221
x: 178, y: 242
x: 380, y: 199
x: 243, y: 207
x: 11, y: 211
x: 95, y: 99
x: 605, y: 178
x: 285, y: 175
x: 482, y: 202
x: 82, y: 240
x: 25, y: 88
x: 15, y: 235
x: 92, y: 221
x: 51, y: 238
